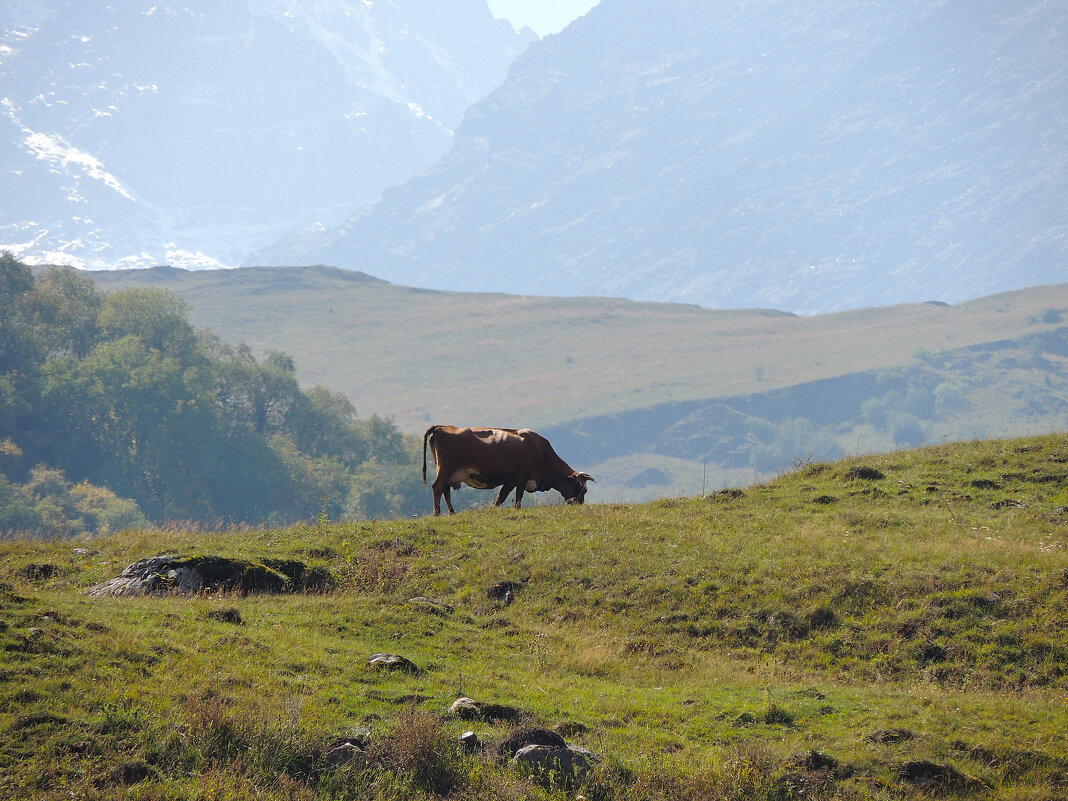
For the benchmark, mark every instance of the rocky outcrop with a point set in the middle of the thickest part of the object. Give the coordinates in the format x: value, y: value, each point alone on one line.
x: 564, y: 766
x: 391, y: 662
x: 469, y: 709
x: 182, y: 575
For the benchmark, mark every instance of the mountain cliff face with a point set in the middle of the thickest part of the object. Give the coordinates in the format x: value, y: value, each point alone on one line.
x: 803, y: 156
x: 192, y: 132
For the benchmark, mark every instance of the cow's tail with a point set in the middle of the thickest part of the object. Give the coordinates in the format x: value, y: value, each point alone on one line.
x: 428, y: 436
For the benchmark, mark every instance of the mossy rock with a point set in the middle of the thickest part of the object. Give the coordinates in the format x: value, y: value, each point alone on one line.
x: 221, y: 573
x: 163, y: 575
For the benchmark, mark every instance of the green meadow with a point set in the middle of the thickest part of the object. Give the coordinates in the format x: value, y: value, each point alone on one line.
x: 885, y: 627
x: 424, y: 357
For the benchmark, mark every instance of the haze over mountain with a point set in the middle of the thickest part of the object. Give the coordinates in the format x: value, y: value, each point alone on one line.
x: 192, y: 132
x: 803, y: 156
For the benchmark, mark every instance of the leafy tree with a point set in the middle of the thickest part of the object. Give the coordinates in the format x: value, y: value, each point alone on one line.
x: 950, y: 398
x: 66, y: 306
x: 121, y: 394
x: 253, y: 396
x: 16, y: 283
x: 17, y: 513
x: 154, y: 316
x: 107, y: 512
x: 385, y: 444
x: 325, y: 424
x: 907, y: 430
x: 388, y: 490
x: 19, y: 349
x: 50, y: 492
x: 51, y: 505
x: 10, y: 403
x: 144, y: 423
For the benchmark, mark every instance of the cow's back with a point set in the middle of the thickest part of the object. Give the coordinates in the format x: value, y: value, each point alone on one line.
x: 482, y: 447
x: 494, y: 437
x: 499, y: 450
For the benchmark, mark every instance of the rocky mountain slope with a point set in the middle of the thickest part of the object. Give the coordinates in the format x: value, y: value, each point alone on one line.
x: 191, y: 132
x: 807, y: 157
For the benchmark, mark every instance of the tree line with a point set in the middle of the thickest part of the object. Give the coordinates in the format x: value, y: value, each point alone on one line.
x: 115, y: 412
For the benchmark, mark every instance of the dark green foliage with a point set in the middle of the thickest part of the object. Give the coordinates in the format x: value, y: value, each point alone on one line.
x: 48, y: 502
x: 118, y: 391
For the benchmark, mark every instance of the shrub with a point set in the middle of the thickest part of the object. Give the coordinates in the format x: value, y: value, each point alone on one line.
x: 419, y: 750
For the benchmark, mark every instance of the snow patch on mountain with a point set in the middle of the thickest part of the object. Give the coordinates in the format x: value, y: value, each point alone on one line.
x: 63, y: 157
x: 194, y: 133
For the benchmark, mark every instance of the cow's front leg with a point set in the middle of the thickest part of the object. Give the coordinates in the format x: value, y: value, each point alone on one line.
x: 505, y: 489
x: 518, y: 495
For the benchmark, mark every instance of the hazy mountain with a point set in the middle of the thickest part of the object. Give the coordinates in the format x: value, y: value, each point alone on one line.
x: 191, y: 132
x: 802, y: 156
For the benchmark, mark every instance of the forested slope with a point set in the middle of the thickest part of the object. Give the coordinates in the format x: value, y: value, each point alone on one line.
x: 114, y: 410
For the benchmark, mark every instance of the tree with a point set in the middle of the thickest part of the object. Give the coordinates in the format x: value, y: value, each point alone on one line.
x: 253, y: 396
x: 950, y: 398
x: 66, y: 306
x: 780, y: 445
x: 155, y: 316
x: 19, y: 349
x: 142, y: 424
x: 384, y: 442
x: 323, y: 423
x: 17, y: 513
x: 144, y: 414
x: 16, y: 282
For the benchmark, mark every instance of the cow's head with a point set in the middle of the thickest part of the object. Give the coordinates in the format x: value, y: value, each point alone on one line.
x: 574, y: 489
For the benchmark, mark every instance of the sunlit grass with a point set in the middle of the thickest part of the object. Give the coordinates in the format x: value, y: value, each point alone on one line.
x: 590, y: 347
x: 697, y: 645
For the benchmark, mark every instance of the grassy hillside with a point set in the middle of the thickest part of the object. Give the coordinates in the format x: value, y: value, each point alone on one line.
x: 465, y: 358
x: 886, y: 627
x: 994, y: 390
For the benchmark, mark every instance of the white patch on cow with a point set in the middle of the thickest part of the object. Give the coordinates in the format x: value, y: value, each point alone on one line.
x: 467, y: 475
x: 493, y: 436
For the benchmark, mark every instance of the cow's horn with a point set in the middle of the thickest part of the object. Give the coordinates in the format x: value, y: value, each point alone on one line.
x: 586, y: 477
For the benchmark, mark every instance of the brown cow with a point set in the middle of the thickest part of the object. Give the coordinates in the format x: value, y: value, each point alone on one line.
x: 483, y: 458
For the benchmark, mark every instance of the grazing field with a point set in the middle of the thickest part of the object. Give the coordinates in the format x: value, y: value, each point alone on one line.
x: 426, y: 357
x: 878, y: 628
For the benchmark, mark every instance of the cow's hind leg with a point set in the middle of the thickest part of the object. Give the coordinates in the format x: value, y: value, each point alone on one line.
x: 442, y: 490
x: 505, y: 489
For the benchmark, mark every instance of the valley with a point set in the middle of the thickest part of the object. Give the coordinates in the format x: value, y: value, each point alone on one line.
x: 621, y: 385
